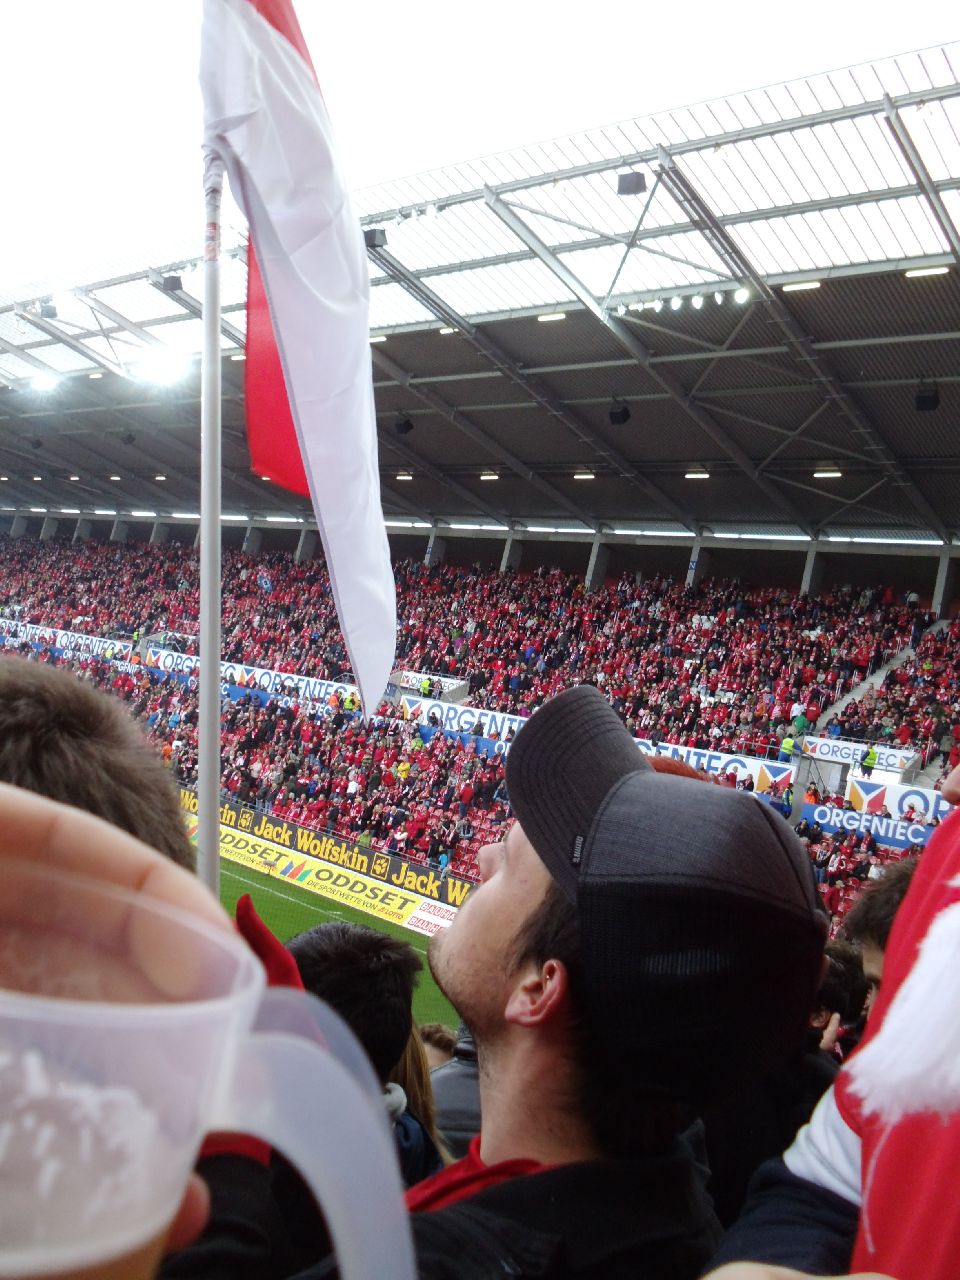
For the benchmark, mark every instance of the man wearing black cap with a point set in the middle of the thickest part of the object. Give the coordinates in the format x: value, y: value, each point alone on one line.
x: 640, y: 943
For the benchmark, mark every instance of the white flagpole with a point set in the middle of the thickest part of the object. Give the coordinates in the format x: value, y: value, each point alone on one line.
x: 208, y: 788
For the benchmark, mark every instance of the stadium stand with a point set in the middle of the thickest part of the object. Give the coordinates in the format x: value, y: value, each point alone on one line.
x: 723, y: 667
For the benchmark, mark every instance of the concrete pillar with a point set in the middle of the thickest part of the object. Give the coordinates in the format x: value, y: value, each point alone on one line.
x: 436, y: 551
x: 512, y: 553
x: 49, y: 528
x: 159, y: 534
x: 252, y: 540
x: 120, y: 531
x: 82, y: 532
x: 699, y: 564
x: 18, y: 526
x: 196, y: 539
x: 307, y: 546
x: 597, y: 566
x: 812, y: 573
x: 945, y: 585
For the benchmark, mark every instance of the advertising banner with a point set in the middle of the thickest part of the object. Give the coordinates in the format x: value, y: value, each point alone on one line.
x: 75, y: 643
x: 867, y: 796
x: 767, y: 775
x: 414, y: 679
x: 262, y: 679
x: 889, y: 831
x: 458, y: 718
x: 840, y: 751
x: 378, y: 883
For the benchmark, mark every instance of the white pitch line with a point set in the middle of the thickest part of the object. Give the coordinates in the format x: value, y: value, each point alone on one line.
x: 289, y: 897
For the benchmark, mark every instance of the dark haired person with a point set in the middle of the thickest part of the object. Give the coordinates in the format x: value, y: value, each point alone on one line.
x: 602, y: 966
x: 870, y: 919
x: 369, y: 979
x: 62, y: 738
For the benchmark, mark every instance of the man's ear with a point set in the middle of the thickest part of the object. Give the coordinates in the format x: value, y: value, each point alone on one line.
x: 539, y: 995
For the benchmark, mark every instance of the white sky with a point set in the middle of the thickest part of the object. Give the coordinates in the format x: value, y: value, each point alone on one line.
x: 101, y: 108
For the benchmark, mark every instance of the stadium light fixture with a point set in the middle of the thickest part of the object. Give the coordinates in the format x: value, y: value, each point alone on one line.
x: 697, y: 301
x: 404, y: 475
x: 698, y: 473
x: 676, y: 303
x: 95, y: 376
x: 583, y: 475
x: 741, y: 295
x: 161, y: 477
x: 38, y: 477
x: 186, y: 515
x: 239, y: 356
x: 489, y: 475
x: 800, y: 286
x: 144, y: 514
x: 447, y: 329
x: 4, y: 477
x: 551, y: 316
x: 73, y: 477
x: 827, y: 471
x: 45, y: 382
x: 718, y: 298
x: 69, y: 511
x: 113, y: 477
x: 104, y: 511
x: 378, y: 337
x: 230, y: 516
x: 917, y: 272
x: 39, y: 511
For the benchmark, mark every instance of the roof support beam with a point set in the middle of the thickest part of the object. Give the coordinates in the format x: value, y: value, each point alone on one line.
x: 908, y: 147
x: 194, y: 306
x: 414, y: 459
x: 795, y: 434
x: 68, y: 340
x: 718, y: 237
x: 748, y: 133
x: 854, y: 502
x: 480, y: 437
x: 539, y: 392
x: 631, y: 343
x: 137, y: 331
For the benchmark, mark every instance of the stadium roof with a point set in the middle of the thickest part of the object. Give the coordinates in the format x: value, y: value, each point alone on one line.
x: 752, y: 314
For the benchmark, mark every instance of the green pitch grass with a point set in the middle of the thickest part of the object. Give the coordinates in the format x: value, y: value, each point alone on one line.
x: 288, y: 910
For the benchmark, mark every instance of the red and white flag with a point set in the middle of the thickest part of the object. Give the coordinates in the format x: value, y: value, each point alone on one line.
x: 309, y: 387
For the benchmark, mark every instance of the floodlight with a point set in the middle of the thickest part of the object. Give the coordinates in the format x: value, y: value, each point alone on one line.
x: 45, y: 381
x: 742, y: 295
x: 550, y: 316
x: 718, y: 298
x: 799, y: 286
x: 404, y: 475
x: 159, y: 477
x: 696, y: 301
x: 403, y: 426
x: 917, y: 272
x: 676, y: 303
x: 619, y: 413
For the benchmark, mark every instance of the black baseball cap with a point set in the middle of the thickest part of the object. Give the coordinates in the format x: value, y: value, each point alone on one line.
x: 701, y: 933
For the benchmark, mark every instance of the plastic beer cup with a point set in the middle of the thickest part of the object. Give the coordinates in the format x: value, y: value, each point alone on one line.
x: 128, y: 1030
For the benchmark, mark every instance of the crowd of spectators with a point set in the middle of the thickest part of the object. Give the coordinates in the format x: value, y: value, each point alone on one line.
x: 916, y: 705
x: 722, y: 667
